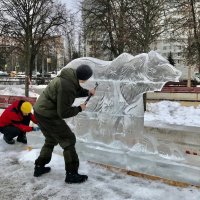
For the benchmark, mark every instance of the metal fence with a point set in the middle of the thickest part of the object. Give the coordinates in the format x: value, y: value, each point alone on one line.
x: 21, y: 80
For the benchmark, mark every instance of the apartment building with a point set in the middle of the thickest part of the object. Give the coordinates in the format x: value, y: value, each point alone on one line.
x: 164, y: 46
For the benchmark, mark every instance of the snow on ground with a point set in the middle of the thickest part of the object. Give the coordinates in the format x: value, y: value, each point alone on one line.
x: 17, y: 181
x: 17, y: 91
x: 171, y: 112
x: 17, y: 164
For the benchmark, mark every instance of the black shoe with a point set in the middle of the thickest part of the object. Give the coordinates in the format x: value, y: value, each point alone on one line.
x: 8, y: 141
x: 75, y: 178
x: 39, y: 170
x: 22, y: 139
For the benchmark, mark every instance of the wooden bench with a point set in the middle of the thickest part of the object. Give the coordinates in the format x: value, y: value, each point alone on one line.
x: 6, y: 100
x: 182, y: 83
x: 177, y: 89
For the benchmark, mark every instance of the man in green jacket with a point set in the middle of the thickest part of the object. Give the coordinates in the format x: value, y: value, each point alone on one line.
x: 53, y: 105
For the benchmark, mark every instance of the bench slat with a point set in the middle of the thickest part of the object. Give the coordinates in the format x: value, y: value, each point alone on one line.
x: 180, y: 89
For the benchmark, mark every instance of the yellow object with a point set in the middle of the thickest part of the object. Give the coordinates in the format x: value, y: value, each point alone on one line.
x: 26, y: 107
x: 28, y: 148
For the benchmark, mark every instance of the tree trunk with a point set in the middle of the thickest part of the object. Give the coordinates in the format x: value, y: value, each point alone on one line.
x: 27, y: 68
x: 189, y: 76
x: 195, y: 29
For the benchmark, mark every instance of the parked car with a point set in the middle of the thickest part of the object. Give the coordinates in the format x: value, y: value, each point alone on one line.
x: 3, y: 73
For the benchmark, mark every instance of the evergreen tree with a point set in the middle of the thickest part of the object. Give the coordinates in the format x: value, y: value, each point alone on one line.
x: 75, y: 55
x: 170, y: 59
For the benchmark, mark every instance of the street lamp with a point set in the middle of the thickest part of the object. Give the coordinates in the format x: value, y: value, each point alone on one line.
x: 48, y: 62
x: 6, y: 67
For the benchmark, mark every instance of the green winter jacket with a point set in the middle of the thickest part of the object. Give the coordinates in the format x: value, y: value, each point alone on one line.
x: 57, y: 98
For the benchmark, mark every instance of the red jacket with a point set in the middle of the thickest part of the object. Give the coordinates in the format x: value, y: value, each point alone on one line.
x: 12, y: 115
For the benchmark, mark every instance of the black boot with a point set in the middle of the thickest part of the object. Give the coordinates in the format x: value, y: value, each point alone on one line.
x: 22, y: 139
x: 8, y: 141
x: 75, y: 178
x: 39, y: 170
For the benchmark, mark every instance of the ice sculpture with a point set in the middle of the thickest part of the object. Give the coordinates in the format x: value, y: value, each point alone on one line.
x: 111, y: 130
x: 114, y: 118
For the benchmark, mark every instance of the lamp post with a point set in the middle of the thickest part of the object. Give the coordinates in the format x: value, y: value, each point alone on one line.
x: 6, y: 67
x: 48, y: 62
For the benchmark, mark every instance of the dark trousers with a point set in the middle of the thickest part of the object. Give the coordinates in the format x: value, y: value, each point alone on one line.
x: 12, y: 131
x: 56, y: 131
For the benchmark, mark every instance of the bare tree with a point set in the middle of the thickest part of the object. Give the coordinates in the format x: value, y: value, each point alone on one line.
x: 148, y: 21
x: 30, y: 23
x: 189, y: 26
x: 123, y: 25
x: 104, y: 21
x: 70, y: 34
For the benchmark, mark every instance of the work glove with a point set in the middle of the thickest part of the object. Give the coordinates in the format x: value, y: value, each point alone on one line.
x: 36, y: 128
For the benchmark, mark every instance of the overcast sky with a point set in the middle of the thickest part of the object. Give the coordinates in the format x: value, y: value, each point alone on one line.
x: 71, y: 4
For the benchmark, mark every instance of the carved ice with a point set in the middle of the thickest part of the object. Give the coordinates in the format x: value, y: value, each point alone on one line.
x: 114, y: 117
x: 111, y: 130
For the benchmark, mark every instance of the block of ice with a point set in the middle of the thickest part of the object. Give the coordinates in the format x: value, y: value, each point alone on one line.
x: 116, y: 114
x: 111, y: 130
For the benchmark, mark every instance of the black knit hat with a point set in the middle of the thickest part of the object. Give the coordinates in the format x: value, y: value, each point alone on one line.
x: 83, y: 72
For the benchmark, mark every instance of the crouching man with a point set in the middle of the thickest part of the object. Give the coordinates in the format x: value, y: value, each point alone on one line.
x: 14, y: 122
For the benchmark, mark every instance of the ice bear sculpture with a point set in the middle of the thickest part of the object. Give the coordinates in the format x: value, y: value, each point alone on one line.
x: 114, y: 117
